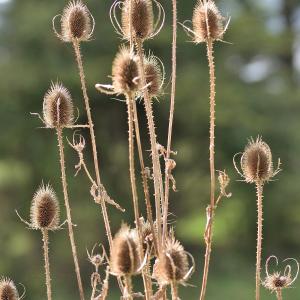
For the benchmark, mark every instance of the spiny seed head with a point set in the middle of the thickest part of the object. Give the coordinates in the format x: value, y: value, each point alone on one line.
x: 124, y: 257
x: 277, y: 281
x: 207, y: 22
x: 58, y: 110
x: 125, y: 71
x: 8, y: 290
x: 44, y: 212
x: 76, y: 23
x: 256, y: 162
x: 154, y: 76
x: 141, y: 19
x: 172, y: 264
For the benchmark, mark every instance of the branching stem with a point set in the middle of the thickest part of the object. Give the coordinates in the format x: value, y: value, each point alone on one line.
x: 68, y: 210
x: 209, y: 232
x: 171, y: 118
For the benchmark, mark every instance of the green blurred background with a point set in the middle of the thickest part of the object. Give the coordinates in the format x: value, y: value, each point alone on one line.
x: 258, y: 76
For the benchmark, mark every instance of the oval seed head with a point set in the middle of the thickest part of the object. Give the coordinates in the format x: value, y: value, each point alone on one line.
x: 207, y: 22
x: 276, y: 281
x: 124, y: 257
x: 141, y: 19
x: 154, y: 76
x: 76, y: 22
x: 125, y: 71
x: 58, y: 110
x: 172, y: 264
x: 44, y: 211
x: 256, y: 162
x: 8, y: 290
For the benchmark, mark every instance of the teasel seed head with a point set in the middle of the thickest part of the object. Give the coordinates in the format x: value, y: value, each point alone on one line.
x: 8, y: 290
x: 172, y: 264
x: 44, y: 212
x: 256, y: 162
x: 58, y: 109
x: 124, y: 257
x: 207, y: 22
x: 278, y: 281
x: 154, y: 73
x: 76, y: 22
x: 125, y: 71
x: 141, y: 19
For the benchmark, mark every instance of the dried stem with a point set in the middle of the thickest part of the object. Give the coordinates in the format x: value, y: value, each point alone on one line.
x: 279, y: 294
x: 171, y: 118
x: 47, y: 265
x: 209, y: 232
x: 259, y: 191
x: 174, y: 290
x: 68, y: 210
x: 157, y: 176
x: 128, y: 288
x: 144, y: 175
x: 92, y: 134
x: 129, y: 101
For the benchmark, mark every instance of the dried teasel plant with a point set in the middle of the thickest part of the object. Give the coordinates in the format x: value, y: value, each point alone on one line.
x: 257, y: 167
x: 8, y: 290
x: 277, y: 281
x: 125, y: 260
x: 208, y: 27
x: 172, y: 265
x: 138, y: 20
x: 76, y: 27
x: 58, y: 110
x: 44, y: 216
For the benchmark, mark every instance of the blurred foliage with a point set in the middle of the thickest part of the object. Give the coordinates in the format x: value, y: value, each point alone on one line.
x: 257, y: 93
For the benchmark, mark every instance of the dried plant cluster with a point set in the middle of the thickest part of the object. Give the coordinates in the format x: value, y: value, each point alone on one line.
x: 148, y: 248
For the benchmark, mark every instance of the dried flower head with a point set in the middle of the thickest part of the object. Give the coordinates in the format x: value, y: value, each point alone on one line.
x: 224, y: 181
x: 8, y: 290
x: 277, y: 281
x: 154, y: 72
x: 137, y: 19
x: 44, y: 212
x: 207, y: 21
x: 58, y: 110
x: 76, y: 22
x: 97, y: 259
x: 124, y: 257
x: 125, y: 71
x: 256, y: 162
x: 172, y: 264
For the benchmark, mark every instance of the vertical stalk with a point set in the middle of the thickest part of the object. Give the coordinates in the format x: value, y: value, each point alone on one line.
x: 158, y: 193
x: 259, y: 191
x: 174, y: 290
x: 47, y: 265
x: 92, y: 134
x: 209, y: 231
x: 279, y: 294
x: 144, y: 175
x: 68, y: 210
x: 129, y: 101
x: 128, y: 288
x: 171, y: 117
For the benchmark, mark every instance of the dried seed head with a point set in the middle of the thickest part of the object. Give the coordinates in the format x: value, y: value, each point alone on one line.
x: 276, y: 281
x: 256, y: 162
x: 76, y: 22
x: 125, y: 72
x: 44, y: 212
x: 124, y: 258
x: 172, y: 264
x: 154, y: 76
x: 58, y: 110
x: 141, y: 19
x: 207, y: 22
x: 8, y: 290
